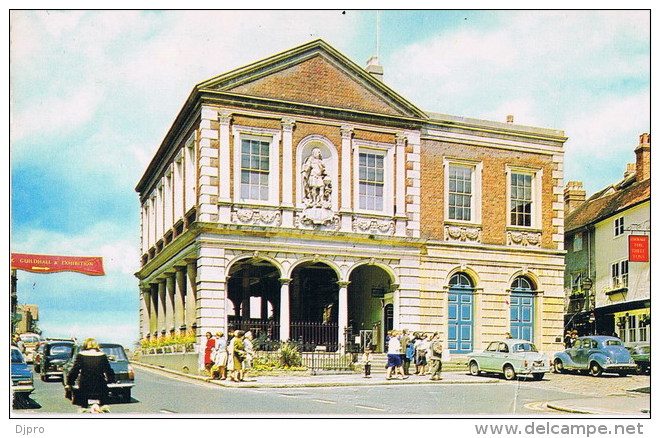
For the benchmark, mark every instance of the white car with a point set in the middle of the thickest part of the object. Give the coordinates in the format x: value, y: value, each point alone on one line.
x: 510, y: 357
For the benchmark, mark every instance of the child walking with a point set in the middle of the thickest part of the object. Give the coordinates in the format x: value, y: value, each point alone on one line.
x: 366, y: 360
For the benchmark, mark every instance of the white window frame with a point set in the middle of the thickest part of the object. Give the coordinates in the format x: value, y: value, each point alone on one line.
x: 619, y: 278
x: 262, y: 134
x: 387, y: 151
x: 475, y: 204
x: 537, y: 196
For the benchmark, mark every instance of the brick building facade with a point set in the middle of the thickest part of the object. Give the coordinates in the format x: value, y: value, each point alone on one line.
x: 301, y: 197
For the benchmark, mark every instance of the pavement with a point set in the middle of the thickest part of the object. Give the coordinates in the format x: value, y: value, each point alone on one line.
x: 629, y: 403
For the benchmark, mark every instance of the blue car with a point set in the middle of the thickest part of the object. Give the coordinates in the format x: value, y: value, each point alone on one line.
x: 595, y: 355
x: 22, y: 383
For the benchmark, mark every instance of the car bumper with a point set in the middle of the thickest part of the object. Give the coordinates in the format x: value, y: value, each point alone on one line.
x: 617, y: 367
x: 121, y: 385
x: 22, y: 389
x: 535, y: 370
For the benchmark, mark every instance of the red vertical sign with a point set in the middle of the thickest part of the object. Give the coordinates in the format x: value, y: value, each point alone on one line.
x: 638, y: 248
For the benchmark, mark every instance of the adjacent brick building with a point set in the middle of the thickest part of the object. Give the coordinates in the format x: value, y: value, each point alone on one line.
x: 301, y: 197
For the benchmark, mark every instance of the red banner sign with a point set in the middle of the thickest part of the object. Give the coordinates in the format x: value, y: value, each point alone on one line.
x: 638, y: 248
x: 48, y: 264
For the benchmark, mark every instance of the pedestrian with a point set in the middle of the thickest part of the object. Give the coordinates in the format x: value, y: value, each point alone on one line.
x: 208, y: 352
x: 237, y: 356
x: 249, y: 353
x: 568, y: 341
x: 18, y: 342
x: 421, y: 349
x: 405, y: 342
x: 92, y: 370
x: 366, y: 361
x: 394, y: 364
x: 435, y: 356
x: 507, y: 335
x: 220, y: 356
x: 413, y: 352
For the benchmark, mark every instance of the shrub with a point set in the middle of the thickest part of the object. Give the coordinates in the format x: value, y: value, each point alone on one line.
x: 290, y: 355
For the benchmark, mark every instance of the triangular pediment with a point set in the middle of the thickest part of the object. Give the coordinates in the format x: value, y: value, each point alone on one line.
x: 314, y: 74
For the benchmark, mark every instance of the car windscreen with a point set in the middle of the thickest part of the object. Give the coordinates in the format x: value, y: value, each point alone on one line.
x: 16, y: 356
x: 522, y: 348
x: 33, y: 339
x: 60, y: 349
x: 116, y: 351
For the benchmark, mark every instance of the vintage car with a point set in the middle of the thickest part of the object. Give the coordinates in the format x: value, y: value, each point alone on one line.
x: 595, y: 355
x: 641, y: 354
x: 51, y: 357
x: 510, y: 357
x: 124, y: 375
x: 22, y: 383
x: 31, y: 342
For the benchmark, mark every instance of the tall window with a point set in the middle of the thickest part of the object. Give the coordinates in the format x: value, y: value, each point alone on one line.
x: 255, y: 168
x: 460, y: 193
x: 577, y: 242
x: 618, y: 226
x: 372, y: 181
x: 620, y: 274
x: 521, y: 199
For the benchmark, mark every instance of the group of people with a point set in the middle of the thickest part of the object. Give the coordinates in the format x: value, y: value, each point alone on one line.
x: 229, y: 355
x: 424, y: 350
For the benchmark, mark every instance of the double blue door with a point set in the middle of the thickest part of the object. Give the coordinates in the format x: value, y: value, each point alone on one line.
x: 460, y: 321
x: 522, y: 316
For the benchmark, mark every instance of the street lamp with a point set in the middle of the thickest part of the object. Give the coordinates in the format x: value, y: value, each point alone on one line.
x: 586, y: 284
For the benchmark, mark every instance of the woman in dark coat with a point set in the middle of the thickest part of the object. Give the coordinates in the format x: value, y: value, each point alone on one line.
x: 92, y: 369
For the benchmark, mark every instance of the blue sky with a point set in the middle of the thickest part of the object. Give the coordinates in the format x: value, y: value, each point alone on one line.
x: 94, y: 92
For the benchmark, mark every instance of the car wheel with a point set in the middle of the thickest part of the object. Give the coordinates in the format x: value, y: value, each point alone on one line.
x: 639, y: 369
x: 474, y: 368
x: 559, y: 367
x: 595, y: 369
x: 509, y: 373
x: 623, y: 374
x: 538, y: 376
x: 36, y: 368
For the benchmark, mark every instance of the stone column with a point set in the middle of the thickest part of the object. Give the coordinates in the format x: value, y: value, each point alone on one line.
x: 153, y: 316
x: 342, y: 317
x: 400, y: 187
x: 285, y: 312
x: 224, y: 174
x: 346, y: 178
x: 162, y: 310
x: 169, y: 303
x: 287, y: 172
x: 191, y: 296
x: 179, y: 299
x: 208, y: 166
x: 145, y: 317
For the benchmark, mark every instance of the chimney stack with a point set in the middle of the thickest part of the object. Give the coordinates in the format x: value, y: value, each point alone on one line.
x: 630, y: 170
x: 643, y: 152
x: 509, y: 118
x: 374, y: 68
x: 574, y: 195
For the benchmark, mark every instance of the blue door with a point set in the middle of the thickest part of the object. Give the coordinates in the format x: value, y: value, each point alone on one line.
x: 522, y: 316
x: 460, y: 315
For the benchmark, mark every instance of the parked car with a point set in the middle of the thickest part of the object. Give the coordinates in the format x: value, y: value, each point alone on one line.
x: 641, y: 354
x: 510, y: 357
x: 31, y: 342
x: 22, y: 383
x: 595, y: 355
x: 51, y: 357
x: 124, y: 374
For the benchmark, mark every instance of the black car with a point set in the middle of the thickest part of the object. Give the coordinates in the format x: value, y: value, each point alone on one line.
x: 124, y: 375
x: 51, y: 357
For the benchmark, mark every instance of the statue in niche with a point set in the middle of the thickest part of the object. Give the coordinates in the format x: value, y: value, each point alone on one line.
x: 316, y: 184
x: 316, y: 190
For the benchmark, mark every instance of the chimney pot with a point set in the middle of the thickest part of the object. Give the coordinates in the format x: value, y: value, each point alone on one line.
x: 509, y: 118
